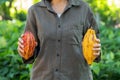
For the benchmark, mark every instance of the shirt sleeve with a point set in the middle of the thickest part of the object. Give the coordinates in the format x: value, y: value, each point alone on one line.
x: 91, y: 22
x: 31, y: 26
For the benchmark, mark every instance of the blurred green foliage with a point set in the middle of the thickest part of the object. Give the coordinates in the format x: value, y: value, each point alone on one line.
x: 11, y: 65
x: 8, y: 11
x: 109, y: 14
x: 4, y: 9
x: 109, y: 67
x: 21, y: 15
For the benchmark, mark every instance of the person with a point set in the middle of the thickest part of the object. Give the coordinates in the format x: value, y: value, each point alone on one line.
x: 59, y: 27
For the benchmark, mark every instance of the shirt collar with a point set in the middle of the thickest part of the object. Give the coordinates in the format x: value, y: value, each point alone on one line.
x: 75, y: 2
x: 44, y: 3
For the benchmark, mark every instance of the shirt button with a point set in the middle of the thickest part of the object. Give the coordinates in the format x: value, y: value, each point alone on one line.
x: 59, y: 26
x: 56, y: 70
x: 58, y: 55
x: 58, y: 40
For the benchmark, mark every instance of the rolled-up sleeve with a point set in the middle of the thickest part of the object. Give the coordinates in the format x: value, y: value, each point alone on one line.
x: 31, y: 26
x: 91, y: 22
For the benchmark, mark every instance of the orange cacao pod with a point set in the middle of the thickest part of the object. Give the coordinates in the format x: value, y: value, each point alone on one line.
x: 87, y: 44
x: 29, y: 44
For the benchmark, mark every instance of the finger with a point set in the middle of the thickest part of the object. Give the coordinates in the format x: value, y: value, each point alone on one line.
x: 20, y: 40
x: 96, y: 49
x: 20, y: 45
x: 96, y: 45
x: 20, y: 52
x: 36, y: 43
x: 96, y: 54
x: 97, y: 40
x: 21, y: 35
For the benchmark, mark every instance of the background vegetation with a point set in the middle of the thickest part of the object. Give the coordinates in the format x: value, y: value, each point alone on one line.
x: 12, y: 21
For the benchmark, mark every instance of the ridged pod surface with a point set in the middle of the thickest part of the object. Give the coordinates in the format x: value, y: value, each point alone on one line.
x: 87, y: 45
x: 29, y: 44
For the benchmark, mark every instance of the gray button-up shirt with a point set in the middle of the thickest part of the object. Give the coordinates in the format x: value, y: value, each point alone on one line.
x: 58, y: 55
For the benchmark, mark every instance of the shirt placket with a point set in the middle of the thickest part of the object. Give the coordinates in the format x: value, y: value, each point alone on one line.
x: 58, y: 48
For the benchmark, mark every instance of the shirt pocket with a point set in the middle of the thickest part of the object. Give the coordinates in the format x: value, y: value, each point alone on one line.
x: 73, y: 34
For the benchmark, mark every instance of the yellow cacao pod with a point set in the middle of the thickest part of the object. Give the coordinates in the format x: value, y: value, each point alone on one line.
x: 87, y: 45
